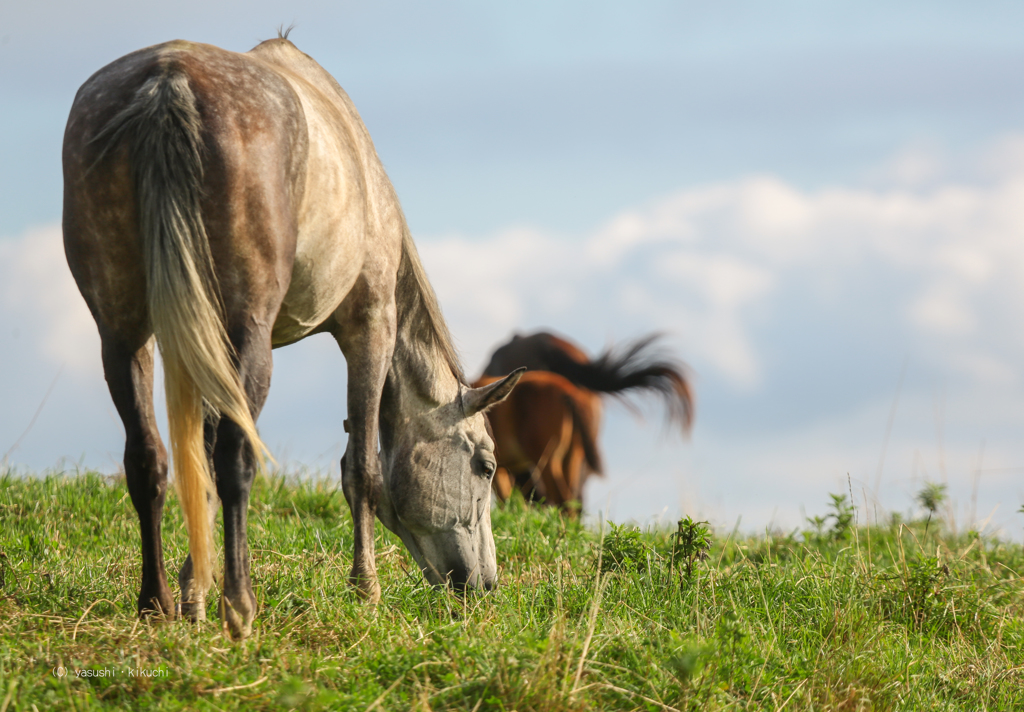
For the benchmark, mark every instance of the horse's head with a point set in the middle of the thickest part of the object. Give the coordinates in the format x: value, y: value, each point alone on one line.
x: 436, y: 491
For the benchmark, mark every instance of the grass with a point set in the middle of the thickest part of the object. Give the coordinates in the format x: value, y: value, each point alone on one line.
x: 839, y: 618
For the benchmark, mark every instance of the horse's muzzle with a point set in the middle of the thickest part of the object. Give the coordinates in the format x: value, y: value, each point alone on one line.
x: 462, y: 580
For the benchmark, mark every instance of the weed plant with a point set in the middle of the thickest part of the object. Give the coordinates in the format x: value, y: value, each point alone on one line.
x: 835, y: 617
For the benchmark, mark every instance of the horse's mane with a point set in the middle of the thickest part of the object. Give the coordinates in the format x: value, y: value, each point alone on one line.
x: 419, y: 314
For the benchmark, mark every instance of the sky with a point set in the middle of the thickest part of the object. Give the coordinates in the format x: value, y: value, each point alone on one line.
x: 820, y: 204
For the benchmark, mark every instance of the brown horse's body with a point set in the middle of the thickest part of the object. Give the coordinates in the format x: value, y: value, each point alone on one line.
x: 231, y: 203
x: 546, y: 432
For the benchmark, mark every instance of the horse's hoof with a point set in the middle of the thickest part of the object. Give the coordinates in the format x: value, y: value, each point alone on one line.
x: 192, y: 610
x: 234, y: 624
x: 368, y: 590
x: 157, y: 607
x: 237, y: 614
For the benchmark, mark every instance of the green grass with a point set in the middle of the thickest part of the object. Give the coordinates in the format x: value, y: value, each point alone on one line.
x: 844, y: 618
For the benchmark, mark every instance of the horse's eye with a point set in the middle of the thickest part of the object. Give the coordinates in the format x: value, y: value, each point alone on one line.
x: 488, y: 468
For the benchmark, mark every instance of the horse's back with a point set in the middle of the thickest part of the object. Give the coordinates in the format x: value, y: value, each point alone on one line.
x: 541, y: 351
x: 350, y: 222
x: 241, y: 101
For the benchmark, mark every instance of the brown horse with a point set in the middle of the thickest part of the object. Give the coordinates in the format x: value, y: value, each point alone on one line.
x: 545, y: 437
x: 227, y: 204
x: 546, y: 432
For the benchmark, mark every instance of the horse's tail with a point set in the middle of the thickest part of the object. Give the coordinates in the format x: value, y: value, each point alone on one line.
x: 633, y: 366
x: 161, y: 129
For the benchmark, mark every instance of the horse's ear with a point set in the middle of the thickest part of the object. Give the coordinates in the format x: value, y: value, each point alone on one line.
x: 477, y: 400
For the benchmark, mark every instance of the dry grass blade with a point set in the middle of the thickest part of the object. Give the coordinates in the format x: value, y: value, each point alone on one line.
x: 233, y: 688
x: 599, y: 586
x: 74, y: 635
x: 646, y: 699
x: 384, y: 694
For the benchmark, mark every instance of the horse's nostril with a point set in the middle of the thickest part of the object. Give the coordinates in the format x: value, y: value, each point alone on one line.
x: 490, y: 584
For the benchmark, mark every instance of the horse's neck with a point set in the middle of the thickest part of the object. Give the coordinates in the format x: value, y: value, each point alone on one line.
x: 419, y: 380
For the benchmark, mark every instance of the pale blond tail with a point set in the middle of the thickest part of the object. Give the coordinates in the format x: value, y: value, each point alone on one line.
x: 162, y: 129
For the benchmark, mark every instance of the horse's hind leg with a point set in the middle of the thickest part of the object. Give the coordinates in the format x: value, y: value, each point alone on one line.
x: 234, y: 463
x: 129, y: 373
x: 193, y: 606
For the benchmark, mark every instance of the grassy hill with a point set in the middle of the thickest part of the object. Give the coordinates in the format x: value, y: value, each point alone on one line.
x: 838, y: 617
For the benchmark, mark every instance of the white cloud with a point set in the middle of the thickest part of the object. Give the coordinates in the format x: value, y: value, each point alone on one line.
x: 918, y: 165
x: 714, y: 265
x: 40, y: 301
x: 941, y: 309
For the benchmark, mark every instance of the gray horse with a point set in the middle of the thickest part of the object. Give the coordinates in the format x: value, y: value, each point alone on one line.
x: 227, y: 204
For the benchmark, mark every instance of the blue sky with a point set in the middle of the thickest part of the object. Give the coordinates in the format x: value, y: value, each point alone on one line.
x: 810, y: 198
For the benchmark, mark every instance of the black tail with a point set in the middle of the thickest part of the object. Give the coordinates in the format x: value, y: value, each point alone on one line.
x: 638, y: 365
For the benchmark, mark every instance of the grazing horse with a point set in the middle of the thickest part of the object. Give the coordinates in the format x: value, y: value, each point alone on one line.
x: 546, y: 432
x: 227, y: 204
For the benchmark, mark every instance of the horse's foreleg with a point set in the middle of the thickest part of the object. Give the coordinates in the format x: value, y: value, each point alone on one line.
x: 234, y: 463
x: 129, y: 374
x: 368, y: 352
x: 546, y: 444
